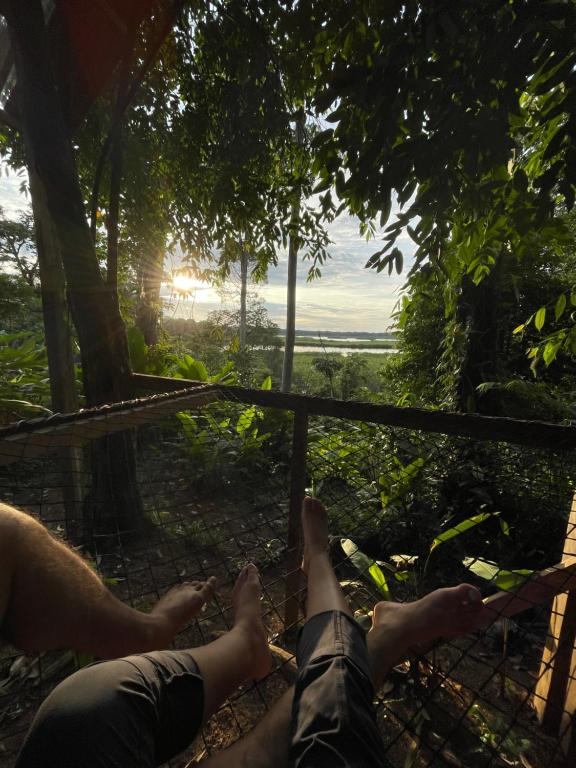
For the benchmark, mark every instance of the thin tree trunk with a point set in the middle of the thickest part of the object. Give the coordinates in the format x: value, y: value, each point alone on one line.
x: 114, y: 216
x: 477, y: 312
x: 57, y: 333
x: 243, y: 294
x: 149, y: 307
x: 116, y: 171
x: 288, y: 363
x: 114, y: 501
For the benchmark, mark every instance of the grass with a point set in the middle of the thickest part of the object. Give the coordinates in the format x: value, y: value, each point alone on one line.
x: 303, y: 361
x: 309, y: 380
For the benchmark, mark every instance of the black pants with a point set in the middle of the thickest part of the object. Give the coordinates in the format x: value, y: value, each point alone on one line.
x: 333, y: 719
x: 140, y: 711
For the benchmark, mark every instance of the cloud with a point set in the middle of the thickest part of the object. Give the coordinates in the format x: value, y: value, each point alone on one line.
x: 11, y: 199
x: 347, y: 296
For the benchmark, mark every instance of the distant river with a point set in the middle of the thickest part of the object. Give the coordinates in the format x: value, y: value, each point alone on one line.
x: 345, y: 350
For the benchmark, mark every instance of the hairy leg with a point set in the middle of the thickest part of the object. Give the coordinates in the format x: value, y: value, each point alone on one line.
x: 50, y: 598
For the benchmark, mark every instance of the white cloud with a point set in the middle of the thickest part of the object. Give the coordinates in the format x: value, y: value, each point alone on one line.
x: 346, y: 297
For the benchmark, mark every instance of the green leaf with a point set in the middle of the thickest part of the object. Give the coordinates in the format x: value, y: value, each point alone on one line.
x: 499, y: 577
x: 267, y: 383
x: 137, y: 349
x: 540, y: 318
x: 560, y: 306
x: 402, y: 576
x: 365, y: 565
x: 550, y: 352
x: 225, y: 374
x: 462, y: 527
x: 245, y: 420
x: 519, y: 328
x: 192, y: 369
x: 380, y: 580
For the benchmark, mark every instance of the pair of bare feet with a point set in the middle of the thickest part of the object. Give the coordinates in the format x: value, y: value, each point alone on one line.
x: 182, y: 603
x: 444, y: 613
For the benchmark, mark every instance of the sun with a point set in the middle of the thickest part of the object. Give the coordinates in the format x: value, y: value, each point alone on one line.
x: 183, y: 283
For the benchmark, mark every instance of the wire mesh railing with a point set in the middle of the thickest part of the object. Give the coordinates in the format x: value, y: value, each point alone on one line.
x: 221, y: 474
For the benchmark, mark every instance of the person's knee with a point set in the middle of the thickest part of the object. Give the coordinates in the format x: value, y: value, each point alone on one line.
x: 96, y: 717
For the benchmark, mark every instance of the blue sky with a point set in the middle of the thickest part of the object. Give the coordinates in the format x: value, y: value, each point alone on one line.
x: 347, y: 297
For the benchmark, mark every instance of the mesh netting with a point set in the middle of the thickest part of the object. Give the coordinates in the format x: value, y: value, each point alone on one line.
x: 410, y: 511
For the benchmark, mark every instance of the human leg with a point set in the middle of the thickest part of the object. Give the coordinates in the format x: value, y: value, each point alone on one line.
x: 397, y: 628
x: 139, y: 711
x: 50, y: 598
x: 333, y: 721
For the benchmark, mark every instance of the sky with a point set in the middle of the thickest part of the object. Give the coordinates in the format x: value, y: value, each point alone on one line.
x: 347, y: 297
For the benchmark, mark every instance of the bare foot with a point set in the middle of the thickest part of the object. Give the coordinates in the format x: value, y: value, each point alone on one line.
x: 175, y: 609
x: 315, y: 528
x: 399, y: 627
x: 443, y: 613
x: 248, y: 619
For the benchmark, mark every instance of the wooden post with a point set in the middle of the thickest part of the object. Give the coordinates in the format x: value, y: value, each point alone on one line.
x: 555, y: 693
x: 297, y: 491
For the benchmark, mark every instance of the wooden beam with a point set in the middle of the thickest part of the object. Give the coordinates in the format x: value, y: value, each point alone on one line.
x: 73, y: 430
x: 551, y: 690
x: 534, y: 434
x: 539, y: 589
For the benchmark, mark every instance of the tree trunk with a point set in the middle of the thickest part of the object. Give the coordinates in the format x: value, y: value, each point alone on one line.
x: 114, y: 502
x: 116, y: 169
x: 477, y: 311
x: 57, y: 333
x: 288, y: 363
x: 243, y: 294
x: 114, y: 216
x: 149, y: 307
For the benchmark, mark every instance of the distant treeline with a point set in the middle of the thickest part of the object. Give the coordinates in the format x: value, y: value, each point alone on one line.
x: 344, y: 334
x: 182, y: 326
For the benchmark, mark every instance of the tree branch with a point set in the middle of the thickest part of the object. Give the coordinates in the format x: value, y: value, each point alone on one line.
x: 123, y: 105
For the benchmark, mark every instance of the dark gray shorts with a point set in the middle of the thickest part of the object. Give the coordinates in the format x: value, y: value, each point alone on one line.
x: 136, y: 712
